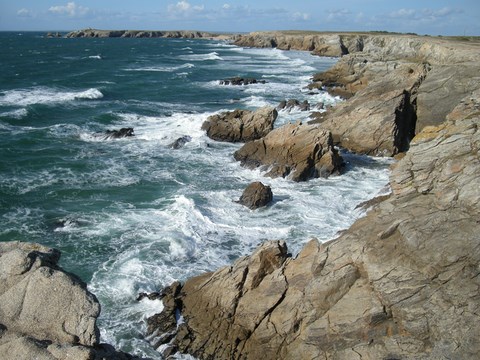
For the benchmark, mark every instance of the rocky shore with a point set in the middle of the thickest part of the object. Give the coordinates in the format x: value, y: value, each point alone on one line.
x: 402, y: 282
x: 95, y: 33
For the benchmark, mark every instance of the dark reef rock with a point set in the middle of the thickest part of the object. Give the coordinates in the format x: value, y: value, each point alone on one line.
x: 180, y: 142
x: 256, y: 195
x: 118, y: 134
x: 241, y: 81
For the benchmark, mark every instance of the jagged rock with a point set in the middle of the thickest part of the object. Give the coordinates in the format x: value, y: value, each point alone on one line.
x: 241, y: 81
x: 381, y: 118
x: 295, y: 150
x: 292, y: 104
x: 46, y: 313
x: 401, y: 283
x: 256, y: 195
x: 118, y: 134
x: 240, y: 125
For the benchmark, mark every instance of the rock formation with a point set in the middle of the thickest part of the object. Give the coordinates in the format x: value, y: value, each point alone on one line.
x: 401, y: 283
x: 298, y: 151
x: 241, y: 81
x: 400, y: 83
x: 256, y: 195
x: 95, y: 33
x: 46, y: 313
x: 118, y: 134
x: 240, y: 125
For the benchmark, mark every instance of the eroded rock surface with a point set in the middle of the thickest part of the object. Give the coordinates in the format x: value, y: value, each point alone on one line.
x: 298, y: 151
x: 46, y: 313
x: 240, y: 125
x: 402, y: 283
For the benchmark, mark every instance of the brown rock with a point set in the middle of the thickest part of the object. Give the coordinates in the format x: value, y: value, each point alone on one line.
x: 402, y: 282
x: 240, y: 125
x: 295, y: 150
x: 256, y: 195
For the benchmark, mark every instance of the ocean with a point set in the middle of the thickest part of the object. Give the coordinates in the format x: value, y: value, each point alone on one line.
x: 133, y: 215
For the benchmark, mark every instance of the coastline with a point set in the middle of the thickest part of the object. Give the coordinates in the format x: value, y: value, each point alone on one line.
x: 354, y: 266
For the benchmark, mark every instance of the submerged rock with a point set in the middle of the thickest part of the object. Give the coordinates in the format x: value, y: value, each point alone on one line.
x: 180, y: 142
x: 256, y: 195
x: 240, y: 125
x: 241, y: 81
x: 118, y: 134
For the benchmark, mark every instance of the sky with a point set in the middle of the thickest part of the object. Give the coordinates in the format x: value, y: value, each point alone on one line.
x: 432, y: 17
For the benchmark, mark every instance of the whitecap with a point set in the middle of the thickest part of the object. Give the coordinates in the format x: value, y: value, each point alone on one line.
x: 45, y: 95
x: 202, y: 57
x: 15, y: 114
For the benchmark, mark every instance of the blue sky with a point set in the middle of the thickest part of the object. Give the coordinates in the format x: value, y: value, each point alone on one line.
x: 437, y: 17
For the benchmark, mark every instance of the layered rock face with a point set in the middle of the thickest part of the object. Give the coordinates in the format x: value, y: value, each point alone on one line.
x: 298, y: 151
x: 401, y: 283
x: 240, y: 125
x: 46, y: 313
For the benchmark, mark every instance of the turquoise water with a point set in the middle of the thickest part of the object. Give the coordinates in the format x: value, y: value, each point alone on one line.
x: 132, y: 215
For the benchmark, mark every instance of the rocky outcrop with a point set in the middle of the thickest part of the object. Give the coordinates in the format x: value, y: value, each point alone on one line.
x: 118, y: 134
x: 402, y: 283
x: 256, y: 195
x: 241, y: 81
x: 398, y: 83
x: 381, y: 118
x: 46, y: 313
x: 240, y: 125
x: 291, y: 104
x: 299, y: 152
x: 95, y: 33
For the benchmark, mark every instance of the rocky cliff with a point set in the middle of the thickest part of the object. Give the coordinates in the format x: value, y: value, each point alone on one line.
x: 398, y: 84
x: 95, y: 33
x: 403, y: 282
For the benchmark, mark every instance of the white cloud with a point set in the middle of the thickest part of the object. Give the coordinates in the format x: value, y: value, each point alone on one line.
x: 226, y: 6
x: 184, y: 8
x: 24, y: 13
x: 70, y: 9
x: 338, y: 14
x: 298, y: 16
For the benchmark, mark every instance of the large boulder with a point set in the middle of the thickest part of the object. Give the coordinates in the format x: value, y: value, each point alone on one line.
x: 256, y: 195
x: 401, y: 283
x: 298, y: 151
x: 240, y: 125
x: 46, y: 313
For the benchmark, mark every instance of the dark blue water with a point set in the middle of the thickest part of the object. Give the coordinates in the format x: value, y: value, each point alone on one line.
x: 133, y: 214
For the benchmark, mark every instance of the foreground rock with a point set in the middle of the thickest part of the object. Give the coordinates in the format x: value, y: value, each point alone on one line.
x: 256, y: 195
x: 46, y: 313
x: 298, y: 151
x: 401, y: 283
x: 240, y: 125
